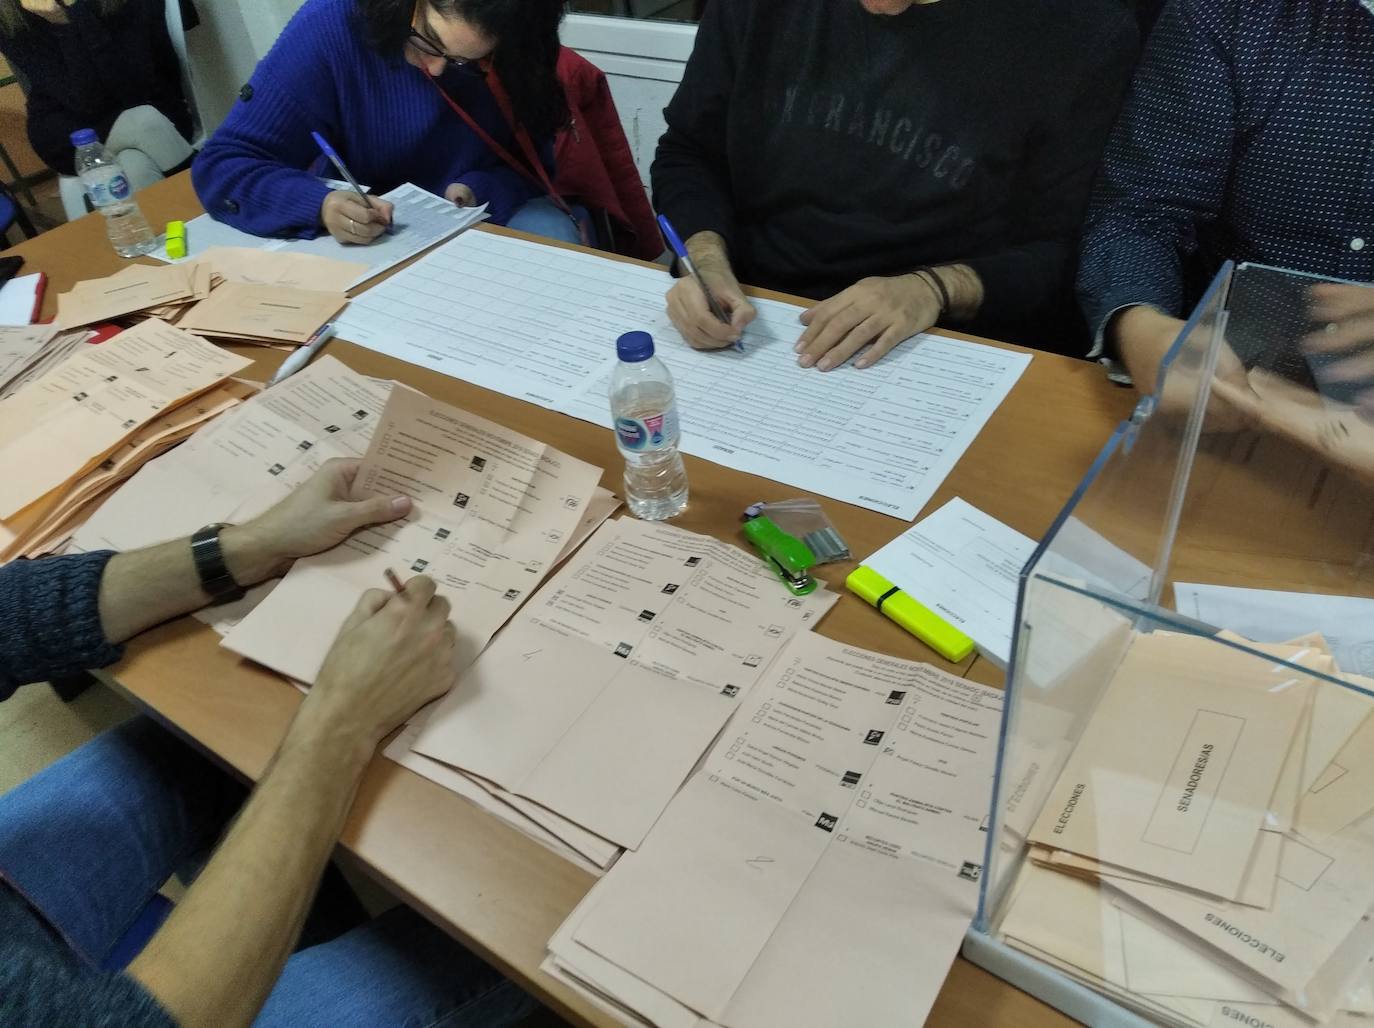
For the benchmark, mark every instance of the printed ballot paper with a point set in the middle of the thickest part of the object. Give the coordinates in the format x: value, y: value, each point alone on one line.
x: 601, y: 697
x: 492, y: 509
x: 274, y: 441
x: 842, y: 805
x: 1175, y: 772
x: 76, y: 414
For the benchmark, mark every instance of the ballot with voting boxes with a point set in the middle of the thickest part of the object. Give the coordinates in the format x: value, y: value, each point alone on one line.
x: 1181, y: 829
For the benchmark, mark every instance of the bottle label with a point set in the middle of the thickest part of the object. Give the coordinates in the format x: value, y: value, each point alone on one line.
x: 107, y: 191
x: 649, y: 433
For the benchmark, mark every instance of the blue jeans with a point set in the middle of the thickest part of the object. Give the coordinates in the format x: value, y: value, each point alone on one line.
x: 541, y: 217
x: 91, y: 839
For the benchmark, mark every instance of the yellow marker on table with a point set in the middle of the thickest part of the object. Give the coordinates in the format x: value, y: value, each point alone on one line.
x: 916, y: 618
x: 176, y: 239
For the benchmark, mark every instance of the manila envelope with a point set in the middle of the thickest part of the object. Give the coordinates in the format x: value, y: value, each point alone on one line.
x: 1344, y: 790
x: 1175, y: 772
x: 273, y: 313
x: 135, y: 288
x: 275, y: 268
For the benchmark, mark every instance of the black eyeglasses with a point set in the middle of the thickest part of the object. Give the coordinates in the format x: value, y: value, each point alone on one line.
x: 427, y: 48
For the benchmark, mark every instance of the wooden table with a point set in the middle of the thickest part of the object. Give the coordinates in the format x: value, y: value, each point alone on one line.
x: 498, y: 892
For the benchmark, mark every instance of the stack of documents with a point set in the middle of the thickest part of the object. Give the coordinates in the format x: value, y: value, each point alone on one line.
x: 229, y: 293
x: 241, y: 464
x: 74, y: 433
x: 492, y: 510
x: 31, y: 351
x: 1205, y: 856
x: 590, y: 710
x: 419, y: 220
x: 820, y: 868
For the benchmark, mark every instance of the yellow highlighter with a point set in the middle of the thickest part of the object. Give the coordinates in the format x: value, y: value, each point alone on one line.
x: 176, y: 239
x: 919, y: 620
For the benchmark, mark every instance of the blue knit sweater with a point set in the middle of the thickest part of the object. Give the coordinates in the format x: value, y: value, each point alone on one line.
x: 383, y: 116
x: 50, y: 626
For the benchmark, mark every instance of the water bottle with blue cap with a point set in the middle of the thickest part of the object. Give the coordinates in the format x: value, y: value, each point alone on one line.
x: 644, y: 411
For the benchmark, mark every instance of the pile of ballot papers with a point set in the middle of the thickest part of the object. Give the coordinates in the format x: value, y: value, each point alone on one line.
x: 819, y: 869
x: 1205, y: 856
x: 28, y: 352
x: 227, y: 292
x: 71, y: 435
x: 765, y: 806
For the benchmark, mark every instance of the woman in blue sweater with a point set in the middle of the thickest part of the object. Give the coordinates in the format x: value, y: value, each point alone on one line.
x: 405, y: 90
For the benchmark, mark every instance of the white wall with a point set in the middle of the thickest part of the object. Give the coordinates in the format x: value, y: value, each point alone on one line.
x: 225, y: 49
x: 643, y: 61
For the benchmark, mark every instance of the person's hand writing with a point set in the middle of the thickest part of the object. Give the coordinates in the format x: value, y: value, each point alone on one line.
x: 349, y: 220
x: 49, y: 10
x: 1348, y: 314
x: 877, y: 311
x: 393, y: 655
x: 316, y: 517
x: 687, y: 306
x: 461, y: 195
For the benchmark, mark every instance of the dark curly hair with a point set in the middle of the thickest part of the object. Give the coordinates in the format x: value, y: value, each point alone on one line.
x: 526, y: 54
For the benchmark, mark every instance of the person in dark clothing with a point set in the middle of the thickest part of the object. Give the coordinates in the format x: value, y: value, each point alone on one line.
x: 904, y: 163
x: 86, y: 843
x: 106, y: 65
x: 1246, y: 136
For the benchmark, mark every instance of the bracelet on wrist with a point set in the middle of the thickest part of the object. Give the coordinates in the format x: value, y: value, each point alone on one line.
x: 928, y: 275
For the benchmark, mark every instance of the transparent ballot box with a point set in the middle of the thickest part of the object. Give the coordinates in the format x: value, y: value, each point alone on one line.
x: 1181, y: 830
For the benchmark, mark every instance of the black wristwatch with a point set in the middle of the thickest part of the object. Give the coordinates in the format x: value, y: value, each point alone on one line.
x: 214, y: 574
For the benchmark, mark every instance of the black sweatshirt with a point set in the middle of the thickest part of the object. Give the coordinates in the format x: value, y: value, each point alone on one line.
x: 86, y: 73
x: 827, y: 144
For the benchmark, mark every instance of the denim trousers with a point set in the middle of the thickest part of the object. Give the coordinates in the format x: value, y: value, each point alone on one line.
x: 90, y: 840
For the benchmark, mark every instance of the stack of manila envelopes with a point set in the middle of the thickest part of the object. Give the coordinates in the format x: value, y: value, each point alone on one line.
x: 1206, y: 849
x: 228, y: 292
x: 74, y: 433
x: 28, y: 352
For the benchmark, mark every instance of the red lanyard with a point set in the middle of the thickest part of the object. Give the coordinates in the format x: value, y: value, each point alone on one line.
x: 532, y: 168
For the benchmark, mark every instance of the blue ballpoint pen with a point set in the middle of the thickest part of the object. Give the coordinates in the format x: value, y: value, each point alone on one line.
x: 338, y: 163
x: 680, y: 250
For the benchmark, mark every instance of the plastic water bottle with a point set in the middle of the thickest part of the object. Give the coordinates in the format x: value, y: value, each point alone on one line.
x: 108, y: 187
x: 646, y: 430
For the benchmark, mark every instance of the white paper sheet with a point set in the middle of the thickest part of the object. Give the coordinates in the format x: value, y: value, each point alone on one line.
x: 964, y: 565
x: 421, y: 219
x: 19, y: 299
x: 539, y: 323
x: 1269, y: 615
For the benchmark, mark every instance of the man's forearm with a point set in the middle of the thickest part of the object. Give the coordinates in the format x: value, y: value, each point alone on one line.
x: 963, y: 287
x: 216, y: 959
x: 146, y: 587
x: 709, y: 252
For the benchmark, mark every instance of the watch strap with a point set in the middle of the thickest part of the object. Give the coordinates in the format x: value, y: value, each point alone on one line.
x: 214, y: 574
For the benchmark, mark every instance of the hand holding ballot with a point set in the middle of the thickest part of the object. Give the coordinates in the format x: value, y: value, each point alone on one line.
x: 318, y: 516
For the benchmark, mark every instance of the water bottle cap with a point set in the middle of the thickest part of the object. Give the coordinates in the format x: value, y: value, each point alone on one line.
x: 84, y: 137
x: 633, y: 347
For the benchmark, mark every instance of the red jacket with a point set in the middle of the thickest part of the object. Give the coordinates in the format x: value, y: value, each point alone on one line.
x: 594, y: 162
